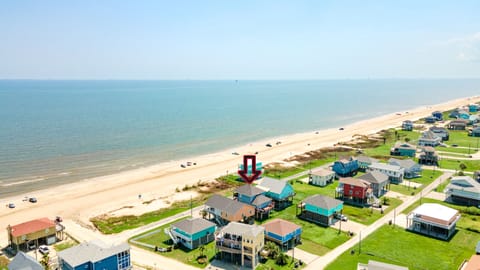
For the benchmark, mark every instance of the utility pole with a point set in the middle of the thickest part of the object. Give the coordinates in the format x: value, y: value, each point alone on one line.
x: 191, y: 206
x: 360, y: 244
x: 394, y: 215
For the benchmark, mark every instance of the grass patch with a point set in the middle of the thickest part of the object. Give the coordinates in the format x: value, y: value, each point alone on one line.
x: 441, y: 187
x: 110, y: 225
x: 456, y: 150
x: 366, y: 215
x: 462, y: 139
x: 418, y: 252
x: 428, y: 176
x: 279, y: 172
x: 454, y: 164
x: 270, y: 264
x: 65, y: 244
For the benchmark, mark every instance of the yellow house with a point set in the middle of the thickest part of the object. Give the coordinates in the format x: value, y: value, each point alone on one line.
x: 241, y: 243
x: 42, y: 231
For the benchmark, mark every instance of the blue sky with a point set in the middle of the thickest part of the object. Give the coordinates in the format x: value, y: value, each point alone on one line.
x: 239, y: 39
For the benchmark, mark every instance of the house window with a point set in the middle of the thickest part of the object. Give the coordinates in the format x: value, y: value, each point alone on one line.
x: 350, y: 192
x: 123, y: 259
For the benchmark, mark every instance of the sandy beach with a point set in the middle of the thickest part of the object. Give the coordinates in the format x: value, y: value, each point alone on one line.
x: 85, y: 199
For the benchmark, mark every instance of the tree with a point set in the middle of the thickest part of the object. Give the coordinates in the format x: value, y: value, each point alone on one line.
x: 202, y: 250
x: 273, y: 249
x: 282, y: 259
x: 45, y: 262
x: 407, y: 139
x: 462, y: 166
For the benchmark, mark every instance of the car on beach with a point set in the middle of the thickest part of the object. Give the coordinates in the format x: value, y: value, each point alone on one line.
x: 235, y: 153
x: 268, y: 145
x: 341, y: 128
x: 32, y: 199
x: 11, y: 205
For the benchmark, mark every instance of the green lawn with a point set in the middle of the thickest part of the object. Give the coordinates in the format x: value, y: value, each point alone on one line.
x: 418, y: 252
x: 383, y: 151
x: 368, y: 216
x: 453, y: 164
x: 428, y: 176
x: 457, y: 150
x: 65, y: 244
x: 270, y: 264
x: 461, y: 138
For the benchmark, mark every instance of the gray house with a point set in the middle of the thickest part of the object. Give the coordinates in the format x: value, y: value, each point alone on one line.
x: 364, y: 162
x: 412, y: 169
x: 464, y: 190
x: 407, y: 125
x: 22, y: 261
x: 441, y: 132
x: 429, y: 139
x: 379, y: 182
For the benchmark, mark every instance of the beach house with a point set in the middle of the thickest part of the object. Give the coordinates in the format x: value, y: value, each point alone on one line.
x: 345, y: 167
x: 407, y: 125
x: 354, y: 190
x: 240, y: 244
x: 321, y: 177
x: 438, y: 115
x: 319, y: 209
x: 474, y: 132
x: 463, y: 190
x: 22, y: 261
x: 462, y: 114
x: 378, y: 182
x: 430, y: 120
x: 282, y: 232
x: 42, y: 231
x: 95, y: 255
x: 473, y: 108
x: 410, y: 167
x: 254, y: 196
x: 403, y: 149
x: 473, y: 119
x: 223, y: 210
x: 192, y: 233
x: 281, y: 192
x: 434, y: 220
x: 458, y: 124
x: 428, y: 156
x: 395, y: 173
x: 364, y: 162
x: 429, y: 138
x: 441, y: 132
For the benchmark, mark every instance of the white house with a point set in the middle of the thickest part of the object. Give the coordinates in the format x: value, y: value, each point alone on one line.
x: 321, y: 177
x: 464, y: 190
x: 395, y: 173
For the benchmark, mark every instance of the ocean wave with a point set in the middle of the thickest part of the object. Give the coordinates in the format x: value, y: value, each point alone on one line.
x: 22, y: 182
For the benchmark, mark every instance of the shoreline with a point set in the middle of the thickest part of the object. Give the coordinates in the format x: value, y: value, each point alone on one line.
x: 84, y: 199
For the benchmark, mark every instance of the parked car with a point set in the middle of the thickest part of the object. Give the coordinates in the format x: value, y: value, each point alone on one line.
x: 11, y: 205
x: 32, y: 199
x: 43, y: 249
x: 268, y: 145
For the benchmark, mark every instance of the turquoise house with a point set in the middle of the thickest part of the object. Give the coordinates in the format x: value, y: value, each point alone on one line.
x: 320, y: 209
x: 403, y: 149
x: 281, y: 192
x: 473, y: 108
x: 192, y: 233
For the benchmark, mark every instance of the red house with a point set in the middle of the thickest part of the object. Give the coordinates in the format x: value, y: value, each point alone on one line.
x: 354, y: 190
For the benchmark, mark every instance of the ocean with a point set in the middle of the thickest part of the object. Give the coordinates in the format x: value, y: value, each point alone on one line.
x: 54, y: 132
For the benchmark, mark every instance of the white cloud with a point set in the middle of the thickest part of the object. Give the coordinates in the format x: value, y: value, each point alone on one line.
x: 468, y: 47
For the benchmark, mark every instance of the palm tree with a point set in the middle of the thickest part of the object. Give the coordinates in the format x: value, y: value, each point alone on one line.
x: 273, y: 249
x: 282, y: 259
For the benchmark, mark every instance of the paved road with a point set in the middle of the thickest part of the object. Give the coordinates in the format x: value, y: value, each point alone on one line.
x: 323, y: 261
